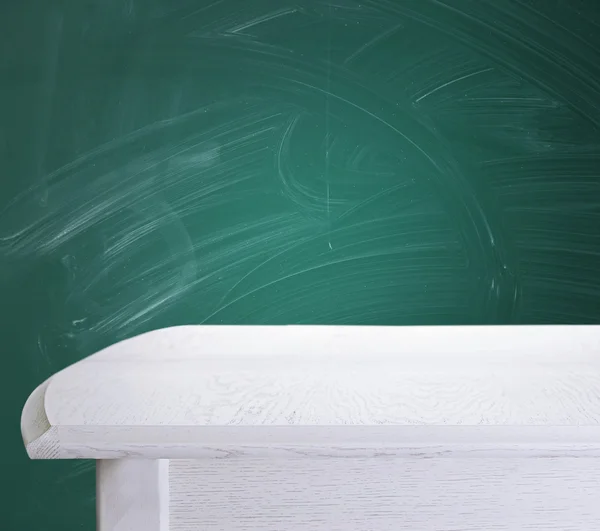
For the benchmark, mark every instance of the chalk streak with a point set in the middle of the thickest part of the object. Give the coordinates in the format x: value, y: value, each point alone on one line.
x: 327, y: 126
x: 202, y: 9
x: 265, y: 18
x: 374, y: 116
x: 387, y: 252
x: 451, y: 82
x: 369, y: 44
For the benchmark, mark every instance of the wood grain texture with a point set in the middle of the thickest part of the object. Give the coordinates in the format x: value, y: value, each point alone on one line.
x: 132, y: 495
x: 385, y: 494
x: 198, y: 391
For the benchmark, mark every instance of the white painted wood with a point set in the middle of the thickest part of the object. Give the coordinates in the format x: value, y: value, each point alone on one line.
x: 396, y: 494
x: 214, y: 391
x: 334, y: 428
x: 132, y: 495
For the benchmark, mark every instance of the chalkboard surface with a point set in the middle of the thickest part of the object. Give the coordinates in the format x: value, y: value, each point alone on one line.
x: 390, y: 162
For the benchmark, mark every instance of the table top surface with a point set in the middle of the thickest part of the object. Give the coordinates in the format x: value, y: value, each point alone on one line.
x: 322, y: 378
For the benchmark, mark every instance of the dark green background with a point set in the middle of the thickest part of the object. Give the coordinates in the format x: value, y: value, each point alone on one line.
x: 386, y: 162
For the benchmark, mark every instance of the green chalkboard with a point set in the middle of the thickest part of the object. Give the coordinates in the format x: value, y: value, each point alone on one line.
x: 391, y: 162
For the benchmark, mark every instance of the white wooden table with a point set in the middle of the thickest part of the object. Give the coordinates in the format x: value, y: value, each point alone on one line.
x: 333, y: 428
